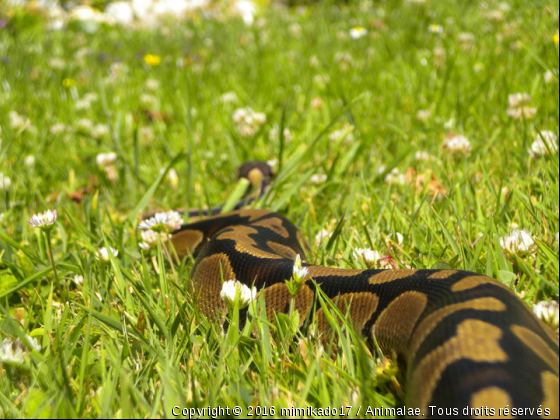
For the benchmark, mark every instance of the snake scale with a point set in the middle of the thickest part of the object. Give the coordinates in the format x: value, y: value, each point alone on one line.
x: 466, y: 340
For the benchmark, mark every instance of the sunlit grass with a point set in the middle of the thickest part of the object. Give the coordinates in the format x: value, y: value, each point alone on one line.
x: 369, y: 115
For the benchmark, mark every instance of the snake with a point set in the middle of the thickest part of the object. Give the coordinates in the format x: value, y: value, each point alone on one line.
x: 466, y: 341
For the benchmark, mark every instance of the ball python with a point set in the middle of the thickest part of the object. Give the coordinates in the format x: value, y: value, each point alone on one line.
x: 466, y: 340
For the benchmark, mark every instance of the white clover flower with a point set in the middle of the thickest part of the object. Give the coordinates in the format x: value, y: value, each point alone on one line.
x: 100, y: 130
x: 551, y: 76
x: 519, y: 99
x: 18, y: 122
x: 5, y: 182
x: 369, y: 256
x: 299, y: 275
x: 78, y: 279
x: 273, y: 163
x: 58, y: 128
x: 148, y: 100
x: 275, y: 134
x: 457, y: 145
x: 344, y: 133
x: 146, y: 134
x: 87, y: 13
x: 424, y: 115
x: 399, y: 238
x: 12, y: 351
x: 322, y: 235
x: 321, y: 80
x: 317, y: 103
x: 34, y: 343
x: 358, y: 32
x: 314, y: 61
x: 466, y: 37
x: 422, y: 156
x: 120, y: 12
x: 548, y: 313
x: 260, y: 118
x: 240, y: 114
x: 299, y: 272
x: 152, y: 84
x: 29, y: 160
x: 150, y: 239
x: 103, y: 254
x: 519, y: 106
x: 318, y: 179
x: 495, y: 15
x: 44, y: 220
x: 233, y: 290
x: 435, y: 29
x: 248, y: 121
x: 57, y: 63
x: 162, y: 222
x: 439, y: 53
x: 395, y: 177
x: 118, y: 69
x: 106, y: 159
x: 172, y: 178
x: 91, y: 97
x: 546, y: 142
x: 84, y: 124
x: 229, y: 98
x: 247, y: 10
x: 344, y: 61
x: 83, y: 104
x: 111, y: 172
x: 517, y: 242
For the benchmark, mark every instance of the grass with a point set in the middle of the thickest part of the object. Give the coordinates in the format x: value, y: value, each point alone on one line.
x: 127, y: 342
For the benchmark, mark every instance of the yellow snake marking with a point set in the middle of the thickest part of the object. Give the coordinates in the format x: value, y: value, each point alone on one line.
x: 551, y: 388
x: 390, y: 275
x: 252, y: 214
x: 537, y: 345
x: 362, y: 306
x: 473, y: 281
x: 275, y: 225
x: 255, y: 176
x: 318, y: 271
x: 282, y: 250
x: 207, y: 282
x: 429, y: 323
x: 443, y: 274
x: 244, y: 243
x: 394, y: 326
x: 277, y: 298
x: 186, y: 241
x: 491, y: 397
x: 475, y: 340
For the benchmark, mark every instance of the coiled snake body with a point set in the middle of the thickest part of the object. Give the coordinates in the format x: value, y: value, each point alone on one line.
x: 466, y: 339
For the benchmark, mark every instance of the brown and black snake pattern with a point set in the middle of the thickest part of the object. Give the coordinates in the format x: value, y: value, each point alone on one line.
x: 466, y: 339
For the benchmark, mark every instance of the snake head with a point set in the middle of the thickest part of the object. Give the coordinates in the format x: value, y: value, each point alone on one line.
x: 259, y: 173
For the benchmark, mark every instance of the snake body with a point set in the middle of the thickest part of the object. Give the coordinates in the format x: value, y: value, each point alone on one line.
x: 467, y: 341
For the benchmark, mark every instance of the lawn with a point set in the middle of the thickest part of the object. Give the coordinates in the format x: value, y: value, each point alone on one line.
x: 423, y: 131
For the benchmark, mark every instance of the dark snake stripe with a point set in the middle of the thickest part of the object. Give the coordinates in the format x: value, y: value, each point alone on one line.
x: 467, y: 341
